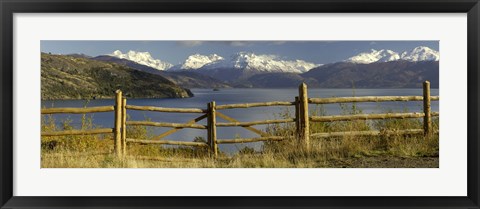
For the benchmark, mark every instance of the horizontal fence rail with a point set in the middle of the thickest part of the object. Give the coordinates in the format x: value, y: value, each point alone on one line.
x: 77, y: 110
x: 185, y: 143
x: 259, y: 104
x: 247, y: 140
x: 368, y: 133
x: 172, y: 125
x: 79, y: 132
x: 166, y: 109
x: 302, y: 120
x: 366, y: 117
x: 368, y: 99
x: 252, y: 123
x: 82, y: 110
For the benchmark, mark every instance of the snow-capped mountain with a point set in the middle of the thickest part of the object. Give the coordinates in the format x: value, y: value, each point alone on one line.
x: 196, y: 61
x: 421, y: 53
x: 260, y: 63
x: 242, y: 60
x: 144, y: 58
x: 374, y: 56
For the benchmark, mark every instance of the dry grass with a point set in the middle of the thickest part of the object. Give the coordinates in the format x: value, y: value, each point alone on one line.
x: 381, y: 151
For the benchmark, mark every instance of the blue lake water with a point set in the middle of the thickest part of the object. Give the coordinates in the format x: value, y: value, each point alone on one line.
x: 233, y: 96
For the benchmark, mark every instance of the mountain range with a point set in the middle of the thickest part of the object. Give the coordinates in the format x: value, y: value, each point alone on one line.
x: 270, y: 63
x: 420, y: 53
x: 249, y: 70
x: 373, y: 69
x: 241, y: 60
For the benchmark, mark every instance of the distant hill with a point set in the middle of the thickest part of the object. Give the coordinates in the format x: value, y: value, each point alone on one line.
x: 77, y: 77
x: 194, y: 80
x: 388, y: 74
x: 228, y: 75
x: 186, y: 79
x: 275, y: 80
x: 394, y: 74
x: 79, y: 55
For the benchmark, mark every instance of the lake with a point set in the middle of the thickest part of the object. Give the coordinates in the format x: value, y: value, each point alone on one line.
x: 233, y: 96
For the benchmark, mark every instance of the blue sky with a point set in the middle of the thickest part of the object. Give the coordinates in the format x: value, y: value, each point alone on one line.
x: 319, y: 52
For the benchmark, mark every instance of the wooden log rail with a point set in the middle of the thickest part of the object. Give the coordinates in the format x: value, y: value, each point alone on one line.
x: 172, y: 125
x: 259, y: 104
x: 332, y: 118
x: 167, y: 142
x: 366, y: 117
x: 367, y: 133
x: 248, y: 140
x: 252, y: 123
x: 368, y: 99
x: 79, y: 110
x: 166, y: 109
x: 78, y: 132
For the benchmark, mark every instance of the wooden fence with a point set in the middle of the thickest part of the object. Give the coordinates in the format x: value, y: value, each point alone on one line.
x: 302, y: 120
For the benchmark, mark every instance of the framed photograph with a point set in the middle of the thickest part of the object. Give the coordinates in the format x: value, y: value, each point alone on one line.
x: 265, y: 104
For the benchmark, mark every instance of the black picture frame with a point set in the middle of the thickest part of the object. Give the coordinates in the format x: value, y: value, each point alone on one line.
x: 10, y: 7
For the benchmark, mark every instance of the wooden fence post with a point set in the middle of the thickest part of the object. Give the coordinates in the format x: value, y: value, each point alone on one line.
x: 124, y: 126
x: 297, y: 116
x: 212, y: 129
x: 303, y: 113
x: 427, y: 119
x: 117, y: 132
